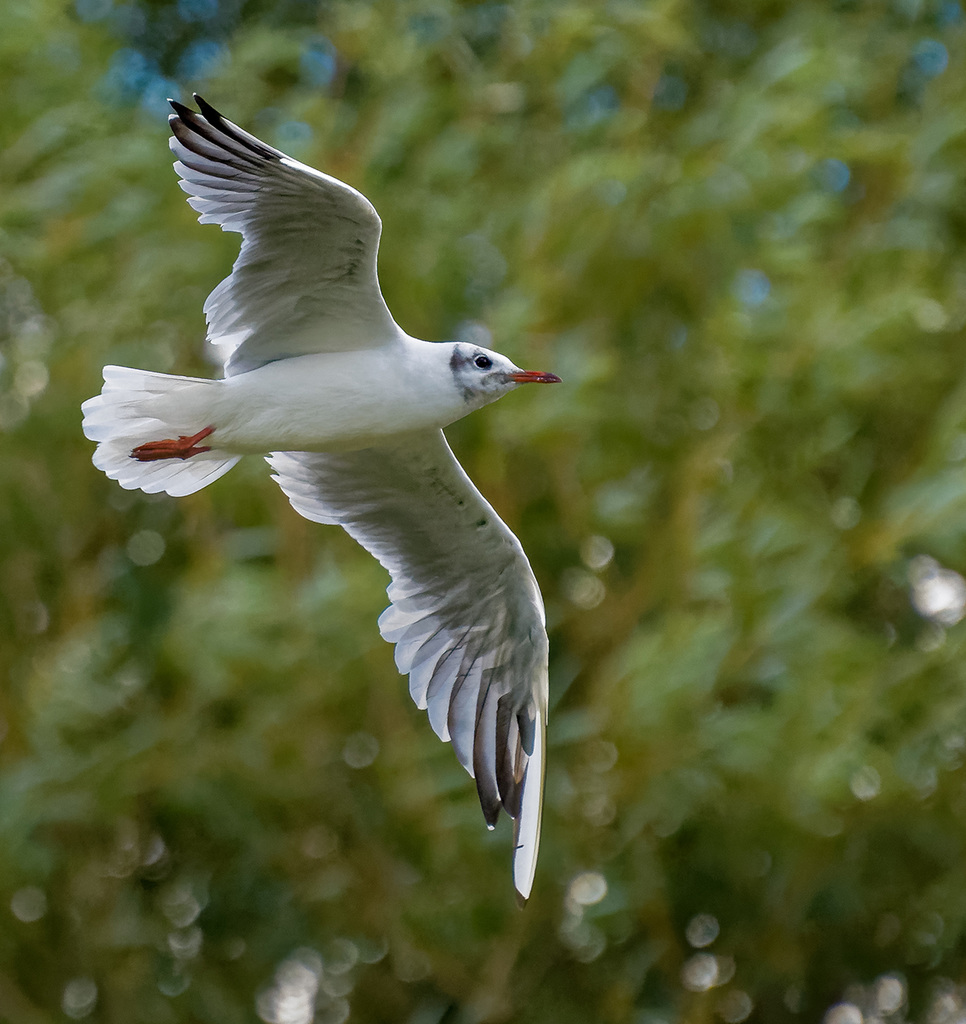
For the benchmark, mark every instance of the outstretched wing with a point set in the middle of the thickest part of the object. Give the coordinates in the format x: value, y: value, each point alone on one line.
x: 305, y: 279
x: 466, y: 616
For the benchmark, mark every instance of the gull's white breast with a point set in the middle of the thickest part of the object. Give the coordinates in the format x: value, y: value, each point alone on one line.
x: 337, y: 401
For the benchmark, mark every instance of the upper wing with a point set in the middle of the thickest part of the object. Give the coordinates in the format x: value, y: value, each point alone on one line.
x: 466, y: 615
x: 305, y: 279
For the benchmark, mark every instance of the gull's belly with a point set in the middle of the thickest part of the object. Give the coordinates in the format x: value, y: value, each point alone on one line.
x: 330, y: 402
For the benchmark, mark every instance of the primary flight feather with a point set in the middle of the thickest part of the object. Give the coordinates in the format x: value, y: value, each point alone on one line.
x: 351, y: 409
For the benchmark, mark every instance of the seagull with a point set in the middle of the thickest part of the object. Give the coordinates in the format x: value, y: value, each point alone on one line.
x: 349, y: 411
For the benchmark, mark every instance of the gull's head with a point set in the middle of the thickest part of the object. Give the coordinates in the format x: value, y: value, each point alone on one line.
x: 483, y: 376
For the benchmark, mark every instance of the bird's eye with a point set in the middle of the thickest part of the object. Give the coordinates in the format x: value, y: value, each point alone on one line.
x: 483, y: 362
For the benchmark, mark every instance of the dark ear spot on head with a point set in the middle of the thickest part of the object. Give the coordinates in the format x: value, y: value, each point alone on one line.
x: 456, y: 363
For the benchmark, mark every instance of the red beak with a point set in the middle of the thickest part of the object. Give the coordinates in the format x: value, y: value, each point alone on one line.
x: 534, y: 377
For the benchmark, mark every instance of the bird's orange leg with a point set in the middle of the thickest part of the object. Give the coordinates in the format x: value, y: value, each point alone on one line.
x: 183, y: 448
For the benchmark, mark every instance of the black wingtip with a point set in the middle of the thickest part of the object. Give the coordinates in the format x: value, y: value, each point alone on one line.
x: 180, y: 109
x: 491, y: 809
x: 211, y: 115
x: 216, y: 130
x: 207, y: 110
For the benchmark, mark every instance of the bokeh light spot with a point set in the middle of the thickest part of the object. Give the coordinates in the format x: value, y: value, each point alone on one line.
x: 29, y: 904
x: 200, y: 59
x: 318, y: 64
x: 31, y: 378
x: 846, y: 513
x: 582, y: 589
x: 735, y: 1006
x: 340, y: 956
x: 360, y: 750
x: 185, y: 944
x: 890, y: 994
x: 79, y: 997
x: 700, y: 972
x: 843, y: 1013
x: 596, y: 552
x: 292, y: 997
x: 752, y: 287
x: 587, y: 889
x: 702, y: 930
x: 146, y: 547
x: 180, y: 905
x: 931, y: 57
x: 705, y: 414
x: 833, y: 175
x: 938, y: 594
x: 865, y: 783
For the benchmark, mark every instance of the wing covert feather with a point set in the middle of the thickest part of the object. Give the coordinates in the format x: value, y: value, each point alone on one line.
x: 466, y: 615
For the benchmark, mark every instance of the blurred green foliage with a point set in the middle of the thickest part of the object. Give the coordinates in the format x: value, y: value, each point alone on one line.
x: 737, y: 231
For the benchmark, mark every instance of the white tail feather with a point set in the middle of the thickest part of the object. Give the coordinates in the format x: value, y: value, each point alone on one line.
x: 138, y: 406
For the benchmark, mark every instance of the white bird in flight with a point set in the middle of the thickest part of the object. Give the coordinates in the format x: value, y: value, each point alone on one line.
x: 351, y: 409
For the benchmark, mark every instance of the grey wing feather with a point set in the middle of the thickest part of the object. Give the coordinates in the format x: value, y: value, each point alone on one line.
x: 305, y: 279
x: 466, y: 615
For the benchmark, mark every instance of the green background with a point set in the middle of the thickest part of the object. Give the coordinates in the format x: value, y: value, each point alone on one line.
x: 737, y: 231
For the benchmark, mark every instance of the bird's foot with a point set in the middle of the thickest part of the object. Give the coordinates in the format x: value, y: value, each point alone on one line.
x: 183, y: 448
